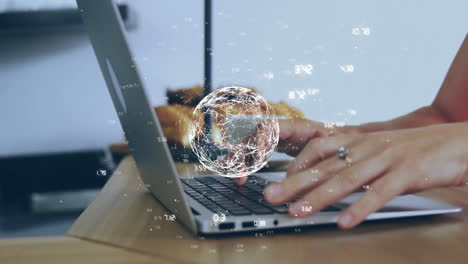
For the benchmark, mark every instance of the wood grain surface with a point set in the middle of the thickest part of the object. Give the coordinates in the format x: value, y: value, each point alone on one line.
x: 51, y: 250
x: 126, y: 215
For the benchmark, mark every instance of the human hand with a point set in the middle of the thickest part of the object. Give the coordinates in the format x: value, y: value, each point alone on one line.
x: 295, y: 133
x: 390, y: 163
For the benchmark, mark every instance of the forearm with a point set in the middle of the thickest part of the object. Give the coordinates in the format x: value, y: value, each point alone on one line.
x: 452, y: 97
x: 424, y: 116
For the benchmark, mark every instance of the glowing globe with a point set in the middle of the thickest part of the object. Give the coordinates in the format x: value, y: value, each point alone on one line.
x: 241, y: 133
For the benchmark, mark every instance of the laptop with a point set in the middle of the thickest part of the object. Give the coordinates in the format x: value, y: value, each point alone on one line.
x: 203, y: 204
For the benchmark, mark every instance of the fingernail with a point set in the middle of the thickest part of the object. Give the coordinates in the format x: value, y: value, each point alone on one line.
x: 345, y: 220
x: 274, y: 191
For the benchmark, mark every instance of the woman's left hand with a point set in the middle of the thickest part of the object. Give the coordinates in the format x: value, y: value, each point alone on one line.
x: 386, y: 163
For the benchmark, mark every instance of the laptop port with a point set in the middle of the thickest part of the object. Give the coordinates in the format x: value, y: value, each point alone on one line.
x: 248, y: 224
x: 225, y: 226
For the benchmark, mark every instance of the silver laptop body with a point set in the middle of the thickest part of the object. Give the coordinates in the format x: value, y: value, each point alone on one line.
x: 153, y: 158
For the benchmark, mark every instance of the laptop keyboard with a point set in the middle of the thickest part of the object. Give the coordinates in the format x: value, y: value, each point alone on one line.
x: 222, y: 195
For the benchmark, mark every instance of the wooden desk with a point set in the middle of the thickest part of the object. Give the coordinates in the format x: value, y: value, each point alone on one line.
x: 51, y: 250
x: 126, y: 216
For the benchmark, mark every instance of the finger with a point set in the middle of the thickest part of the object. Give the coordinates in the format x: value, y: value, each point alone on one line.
x: 339, y: 186
x: 317, y: 150
x: 298, y: 129
x: 240, y: 180
x: 296, y: 185
x: 295, y: 133
x: 382, y: 191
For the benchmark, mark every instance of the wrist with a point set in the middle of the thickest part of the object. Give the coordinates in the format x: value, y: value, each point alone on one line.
x: 351, y: 130
x: 432, y: 115
x: 424, y: 116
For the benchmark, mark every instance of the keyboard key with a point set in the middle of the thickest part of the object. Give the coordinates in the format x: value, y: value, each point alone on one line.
x: 197, y: 196
x: 224, y: 180
x: 206, y: 180
x: 254, y: 196
x: 227, y: 191
x: 243, y: 190
x: 219, y: 187
x: 201, y: 188
x: 259, y: 180
x: 256, y: 188
x: 260, y: 210
x: 211, y: 193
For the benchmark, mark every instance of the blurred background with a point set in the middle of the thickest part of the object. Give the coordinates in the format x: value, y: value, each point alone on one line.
x: 337, y: 61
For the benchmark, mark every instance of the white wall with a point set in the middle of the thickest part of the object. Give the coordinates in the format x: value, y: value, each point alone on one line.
x: 53, y: 98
